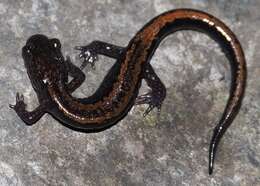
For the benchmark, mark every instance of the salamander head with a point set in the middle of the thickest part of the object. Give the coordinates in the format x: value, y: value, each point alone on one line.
x: 41, y: 47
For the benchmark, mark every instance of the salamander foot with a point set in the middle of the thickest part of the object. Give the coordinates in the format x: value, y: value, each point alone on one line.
x: 88, y: 55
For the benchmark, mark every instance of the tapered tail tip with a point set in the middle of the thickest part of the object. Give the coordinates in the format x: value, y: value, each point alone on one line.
x: 210, y: 169
x: 211, y: 161
x: 211, y: 157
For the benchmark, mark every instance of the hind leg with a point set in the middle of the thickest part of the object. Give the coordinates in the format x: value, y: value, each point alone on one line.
x: 155, y: 97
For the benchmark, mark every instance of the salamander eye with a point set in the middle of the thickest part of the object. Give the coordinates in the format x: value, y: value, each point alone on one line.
x: 56, y: 43
x: 28, y: 48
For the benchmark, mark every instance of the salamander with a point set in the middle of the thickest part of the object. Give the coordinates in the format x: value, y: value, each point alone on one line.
x: 48, y: 71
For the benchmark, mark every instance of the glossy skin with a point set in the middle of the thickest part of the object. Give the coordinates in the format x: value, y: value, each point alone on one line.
x: 49, y: 71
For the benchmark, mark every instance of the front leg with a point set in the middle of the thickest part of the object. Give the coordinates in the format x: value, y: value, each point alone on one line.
x: 90, y: 52
x: 28, y: 117
x: 77, y: 75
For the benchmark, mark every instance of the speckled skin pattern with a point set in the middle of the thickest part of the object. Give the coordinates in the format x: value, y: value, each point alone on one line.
x: 171, y: 151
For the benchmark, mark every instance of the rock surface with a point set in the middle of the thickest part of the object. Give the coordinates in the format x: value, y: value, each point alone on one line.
x: 170, y: 150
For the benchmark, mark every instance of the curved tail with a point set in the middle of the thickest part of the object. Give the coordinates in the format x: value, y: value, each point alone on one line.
x: 150, y: 36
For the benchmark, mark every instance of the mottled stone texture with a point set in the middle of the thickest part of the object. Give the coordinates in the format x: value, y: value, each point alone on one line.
x: 170, y: 150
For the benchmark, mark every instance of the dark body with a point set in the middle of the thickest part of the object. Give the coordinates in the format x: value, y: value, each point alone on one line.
x: 49, y: 71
